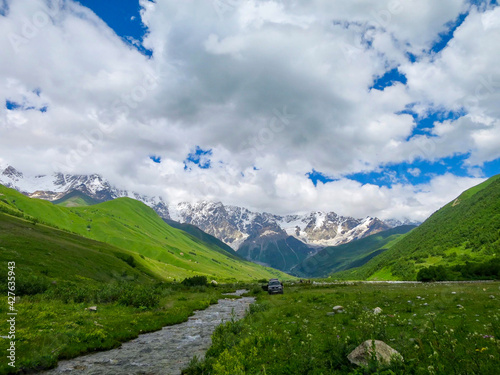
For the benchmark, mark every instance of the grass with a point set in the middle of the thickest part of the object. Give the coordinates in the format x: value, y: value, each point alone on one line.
x: 292, y: 334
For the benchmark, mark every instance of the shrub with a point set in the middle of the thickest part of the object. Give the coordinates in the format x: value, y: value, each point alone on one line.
x: 140, y: 297
x: 30, y: 285
x: 129, y: 259
x: 195, y: 281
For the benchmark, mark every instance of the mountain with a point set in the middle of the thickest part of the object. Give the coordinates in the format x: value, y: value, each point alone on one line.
x: 58, y: 186
x: 280, y: 242
x: 465, y: 230
x: 353, y: 254
x: 134, y: 227
x: 234, y: 225
x: 275, y: 249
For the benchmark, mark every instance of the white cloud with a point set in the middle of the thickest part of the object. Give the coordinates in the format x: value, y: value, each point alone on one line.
x: 278, y: 85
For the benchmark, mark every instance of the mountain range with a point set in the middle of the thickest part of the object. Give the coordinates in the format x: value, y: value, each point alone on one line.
x: 275, y: 240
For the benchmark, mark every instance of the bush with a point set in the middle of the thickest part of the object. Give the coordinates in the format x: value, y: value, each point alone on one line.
x: 140, y: 297
x: 195, y: 281
x: 30, y: 285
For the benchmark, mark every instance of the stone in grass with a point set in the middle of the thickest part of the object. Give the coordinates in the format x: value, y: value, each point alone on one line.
x: 330, y: 313
x: 373, y: 348
x: 492, y: 297
x: 338, y: 309
x: 377, y: 310
x: 92, y: 308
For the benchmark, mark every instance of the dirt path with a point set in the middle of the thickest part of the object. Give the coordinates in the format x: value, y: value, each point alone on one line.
x: 163, y: 352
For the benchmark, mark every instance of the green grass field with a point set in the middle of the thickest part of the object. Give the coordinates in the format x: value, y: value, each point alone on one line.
x: 438, y: 328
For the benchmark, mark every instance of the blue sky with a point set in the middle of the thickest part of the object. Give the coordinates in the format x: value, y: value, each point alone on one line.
x: 276, y: 105
x: 123, y: 17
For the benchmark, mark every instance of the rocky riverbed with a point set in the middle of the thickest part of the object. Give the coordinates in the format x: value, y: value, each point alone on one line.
x: 164, y: 352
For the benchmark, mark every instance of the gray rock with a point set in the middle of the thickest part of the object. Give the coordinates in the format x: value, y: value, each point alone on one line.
x: 92, y: 308
x: 330, y: 313
x: 383, y: 352
x: 377, y: 310
x: 338, y: 309
x: 492, y: 297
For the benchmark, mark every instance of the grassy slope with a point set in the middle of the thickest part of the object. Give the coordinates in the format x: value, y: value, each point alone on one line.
x: 203, y: 236
x: 131, y: 225
x: 467, y: 229
x: 354, y: 254
x: 75, y: 199
x: 47, y: 252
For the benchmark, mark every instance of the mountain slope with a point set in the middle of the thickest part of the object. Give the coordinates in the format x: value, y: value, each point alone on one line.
x: 75, y: 198
x: 466, y: 229
x: 42, y: 251
x: 202, y: 236
x: 350, y: 255
x: 275, y: 249
x: 131, y: 225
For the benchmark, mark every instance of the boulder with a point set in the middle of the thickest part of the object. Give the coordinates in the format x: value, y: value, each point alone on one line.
x: 377, y: 310
x: 338, y: 309
x: 383, y: 352
x: 214, y: 283
x: 92, y: 308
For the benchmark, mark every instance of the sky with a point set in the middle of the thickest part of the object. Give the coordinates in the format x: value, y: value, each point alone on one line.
x: 365, y: 108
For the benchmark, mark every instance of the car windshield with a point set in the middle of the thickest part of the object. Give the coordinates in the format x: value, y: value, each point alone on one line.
x: 274, y: 282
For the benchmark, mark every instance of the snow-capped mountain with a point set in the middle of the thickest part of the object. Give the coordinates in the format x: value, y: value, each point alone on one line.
x: 234, y: 225
x: 56, y: 186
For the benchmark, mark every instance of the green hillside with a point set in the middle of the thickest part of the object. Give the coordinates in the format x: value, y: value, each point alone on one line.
x: 465, y: 230
x: 130, y: 225
x: 203, y: 236
x: 48, y: 253
x: 75, y: 199
x: 350, y: 255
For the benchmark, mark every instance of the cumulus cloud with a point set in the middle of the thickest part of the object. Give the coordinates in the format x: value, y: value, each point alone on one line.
x: 274, y: 88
